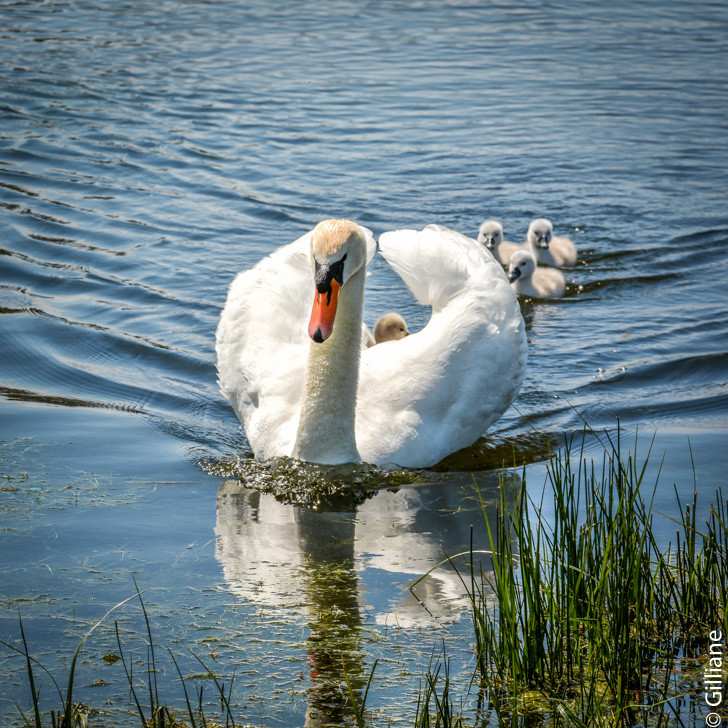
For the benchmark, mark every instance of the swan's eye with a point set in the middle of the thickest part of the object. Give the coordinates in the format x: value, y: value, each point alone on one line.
x: 337, y: 269
x: 324, y: 274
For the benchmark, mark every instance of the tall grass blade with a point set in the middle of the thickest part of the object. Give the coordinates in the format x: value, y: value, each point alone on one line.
x: 129, y: 676
x: 33, y: 691
x: 358, y: 708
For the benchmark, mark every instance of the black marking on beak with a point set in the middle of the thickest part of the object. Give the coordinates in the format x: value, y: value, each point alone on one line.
x: 514, y: 274
x: 324, y: 274
x: 317, y: 337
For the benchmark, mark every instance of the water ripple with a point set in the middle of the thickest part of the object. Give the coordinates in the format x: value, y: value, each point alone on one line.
x: 130, y: 199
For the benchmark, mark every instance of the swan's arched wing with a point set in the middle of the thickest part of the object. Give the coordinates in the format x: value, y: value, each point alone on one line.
x: 438, y: 390
x: 262, y: 344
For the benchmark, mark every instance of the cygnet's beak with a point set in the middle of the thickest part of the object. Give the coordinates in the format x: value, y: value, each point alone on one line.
x: 514, y: 274
x: 543, y: 241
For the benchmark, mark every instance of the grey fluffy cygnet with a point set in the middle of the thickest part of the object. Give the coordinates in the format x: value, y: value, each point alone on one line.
x: 527, y: 279
x: 490, y: 235
x: 549, y: 249
x: 389, y: 327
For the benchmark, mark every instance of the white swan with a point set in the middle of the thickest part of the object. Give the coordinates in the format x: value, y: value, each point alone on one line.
x: 301, y: 384
x: 547, y: 248
x: 529, y: 280
x: 490, y: 234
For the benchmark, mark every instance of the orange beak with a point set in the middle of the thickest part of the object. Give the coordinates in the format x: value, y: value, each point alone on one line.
x: 321, y: 323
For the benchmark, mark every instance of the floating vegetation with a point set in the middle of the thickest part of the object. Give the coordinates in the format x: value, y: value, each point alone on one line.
x: 490, y: 453
x: 319, y: 487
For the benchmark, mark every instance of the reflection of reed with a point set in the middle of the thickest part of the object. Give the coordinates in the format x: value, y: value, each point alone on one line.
x: 309, y: 563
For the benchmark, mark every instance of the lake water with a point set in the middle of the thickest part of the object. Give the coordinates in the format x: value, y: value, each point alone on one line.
x: 150, y: 150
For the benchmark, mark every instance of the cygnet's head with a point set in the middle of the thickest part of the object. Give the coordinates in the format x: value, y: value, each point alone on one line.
x: 539, y: 233
x: 338, y: 250
x: 523, y: 264
x: 390, y: 327
x: 490, y: 234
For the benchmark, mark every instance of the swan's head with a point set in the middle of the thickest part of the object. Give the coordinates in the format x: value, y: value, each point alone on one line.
x: 338, y: 250
x: 490, y: 234
x: 539, y: 233
x: 522, y: 265
x: 390, y: 327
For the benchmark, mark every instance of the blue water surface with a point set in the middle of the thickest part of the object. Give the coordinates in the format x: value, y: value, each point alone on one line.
x: 150, y: 150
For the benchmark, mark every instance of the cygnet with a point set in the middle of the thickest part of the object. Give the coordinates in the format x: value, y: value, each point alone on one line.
x: 547, y: 248
x: 529, y: 280
x: 389, y: 327
x: 491, y: 235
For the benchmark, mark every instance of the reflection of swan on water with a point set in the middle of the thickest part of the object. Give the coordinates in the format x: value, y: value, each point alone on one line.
x: 257, y: 545
x: 292, y: 377
x: 328, y: 568
x: 267, y: 548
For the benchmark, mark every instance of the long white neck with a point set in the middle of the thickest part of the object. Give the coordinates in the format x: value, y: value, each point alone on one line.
x: 326, y: 427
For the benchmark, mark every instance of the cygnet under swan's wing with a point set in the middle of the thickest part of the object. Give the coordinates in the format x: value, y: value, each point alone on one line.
x: 262, y: 344
x: 438, y: 390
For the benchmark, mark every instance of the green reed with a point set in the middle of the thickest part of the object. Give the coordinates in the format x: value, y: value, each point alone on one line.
x: 584, y: 614
x: 76, y: 715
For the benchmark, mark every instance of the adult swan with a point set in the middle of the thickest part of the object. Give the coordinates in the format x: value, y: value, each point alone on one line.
x: 302, y: 384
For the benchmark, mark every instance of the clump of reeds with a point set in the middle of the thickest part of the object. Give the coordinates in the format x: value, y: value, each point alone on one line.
x: 584, y: 618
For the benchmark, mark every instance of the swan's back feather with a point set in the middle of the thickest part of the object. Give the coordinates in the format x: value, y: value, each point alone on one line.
x: 436, y: 391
